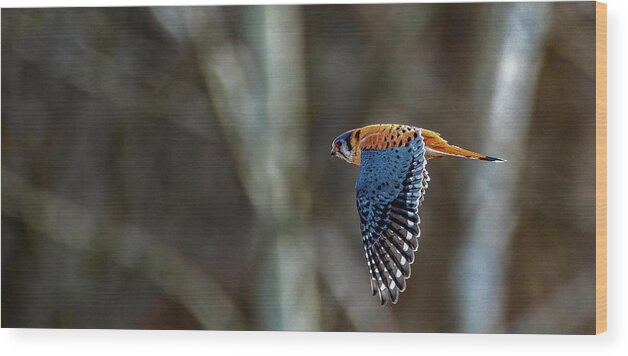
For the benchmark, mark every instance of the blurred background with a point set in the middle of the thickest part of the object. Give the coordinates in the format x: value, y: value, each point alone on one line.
x: 169, y: 167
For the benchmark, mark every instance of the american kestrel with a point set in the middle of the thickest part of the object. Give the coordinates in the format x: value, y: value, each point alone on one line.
x: 390, y: 188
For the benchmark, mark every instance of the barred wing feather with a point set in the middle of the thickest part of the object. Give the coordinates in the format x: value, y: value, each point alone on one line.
x: 390, y: 189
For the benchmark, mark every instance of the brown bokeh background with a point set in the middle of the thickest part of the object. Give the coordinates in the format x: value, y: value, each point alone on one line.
x: 169, y: 168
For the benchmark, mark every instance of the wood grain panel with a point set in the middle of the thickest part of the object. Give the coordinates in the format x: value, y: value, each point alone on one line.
x: 600, y: 167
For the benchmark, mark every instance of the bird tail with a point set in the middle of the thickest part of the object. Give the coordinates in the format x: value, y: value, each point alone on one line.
x: 437, y: 147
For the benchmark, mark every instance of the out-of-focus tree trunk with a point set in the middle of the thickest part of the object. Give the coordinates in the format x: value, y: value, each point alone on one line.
x: 293, y: 265
x: 262, y: 115
x: 480, y: 285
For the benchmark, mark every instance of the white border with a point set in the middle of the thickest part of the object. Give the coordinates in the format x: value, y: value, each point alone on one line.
x: 615, y: 342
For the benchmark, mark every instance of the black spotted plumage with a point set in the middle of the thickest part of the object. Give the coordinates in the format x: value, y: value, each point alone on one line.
x: 390, y: 189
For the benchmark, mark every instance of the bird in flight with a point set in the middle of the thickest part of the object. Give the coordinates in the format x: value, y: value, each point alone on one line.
x: 390, y: 188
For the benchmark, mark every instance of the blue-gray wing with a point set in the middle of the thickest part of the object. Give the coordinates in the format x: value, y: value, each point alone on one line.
x: 390, y: 189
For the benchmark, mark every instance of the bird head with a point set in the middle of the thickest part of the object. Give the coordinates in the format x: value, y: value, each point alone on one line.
x: 344, y: 146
